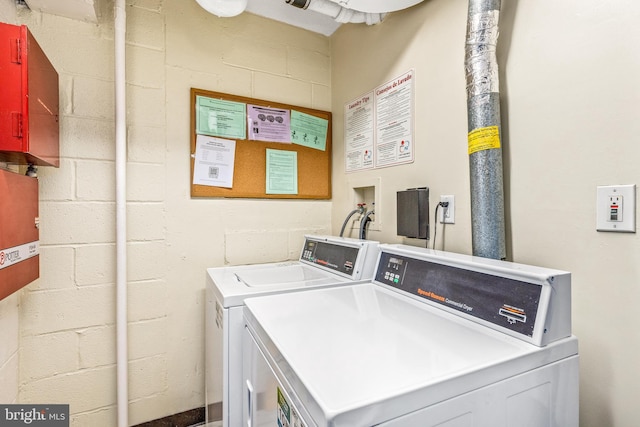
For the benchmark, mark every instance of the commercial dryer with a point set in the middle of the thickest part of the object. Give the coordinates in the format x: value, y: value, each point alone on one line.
x: 436, y: 339
x: 324, y: 261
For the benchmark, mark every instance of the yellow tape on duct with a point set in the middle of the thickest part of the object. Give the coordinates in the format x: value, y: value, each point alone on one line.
x: 484, y: 139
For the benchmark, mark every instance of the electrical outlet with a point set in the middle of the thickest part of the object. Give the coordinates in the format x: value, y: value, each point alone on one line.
x: 447, y: 214
x: 616, y: 208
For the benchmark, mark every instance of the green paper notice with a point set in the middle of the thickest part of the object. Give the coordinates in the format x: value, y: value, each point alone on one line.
x: 282, y: 172
x: 308, y: 130
x: 216, y: 117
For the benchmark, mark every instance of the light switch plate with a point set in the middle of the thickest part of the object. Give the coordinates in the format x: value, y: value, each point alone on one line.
x: 616, y: 208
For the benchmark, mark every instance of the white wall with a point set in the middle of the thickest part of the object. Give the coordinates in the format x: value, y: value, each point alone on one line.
x: 67, y: 317
x: 570, y: 91
x: 9, y: 314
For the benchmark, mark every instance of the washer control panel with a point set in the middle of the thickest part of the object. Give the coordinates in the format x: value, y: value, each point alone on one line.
x: 331, y: 255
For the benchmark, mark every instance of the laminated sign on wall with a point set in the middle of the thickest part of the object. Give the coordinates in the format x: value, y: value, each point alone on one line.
x: 379, y: 126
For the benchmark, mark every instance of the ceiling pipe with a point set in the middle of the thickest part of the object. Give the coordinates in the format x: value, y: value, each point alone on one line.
x: 483, y: 116
x: 337, y: 12
x: 223, y: 8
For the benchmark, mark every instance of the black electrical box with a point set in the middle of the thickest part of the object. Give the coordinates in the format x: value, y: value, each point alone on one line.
x: 413, y: 213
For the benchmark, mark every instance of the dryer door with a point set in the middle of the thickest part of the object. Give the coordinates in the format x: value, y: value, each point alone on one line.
x: 266, y: 402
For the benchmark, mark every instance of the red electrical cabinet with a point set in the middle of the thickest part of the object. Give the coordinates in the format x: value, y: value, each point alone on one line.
x: 29, y: 130
x: 19, y: 233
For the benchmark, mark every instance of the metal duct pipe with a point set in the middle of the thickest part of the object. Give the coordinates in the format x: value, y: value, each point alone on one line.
x: 337, y: 12
x: 483, y: 108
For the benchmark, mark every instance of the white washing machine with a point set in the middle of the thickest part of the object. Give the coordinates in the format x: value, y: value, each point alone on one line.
x: 436, y: 339
x: 324, y: 261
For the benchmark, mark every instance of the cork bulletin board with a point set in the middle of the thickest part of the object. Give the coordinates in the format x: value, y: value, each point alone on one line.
x: 250, y: 164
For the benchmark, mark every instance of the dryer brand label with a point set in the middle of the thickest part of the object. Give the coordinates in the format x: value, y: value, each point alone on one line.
x: 16, y: 254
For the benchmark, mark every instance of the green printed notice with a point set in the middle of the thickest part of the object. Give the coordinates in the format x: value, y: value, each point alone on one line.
x: 308, y: 130
x: 282, y: 172
x: 216, y: 117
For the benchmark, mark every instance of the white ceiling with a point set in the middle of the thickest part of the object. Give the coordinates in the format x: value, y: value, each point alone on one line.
x: 89, y: 10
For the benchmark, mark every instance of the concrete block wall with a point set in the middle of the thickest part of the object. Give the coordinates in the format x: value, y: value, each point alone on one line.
x: 67, y: 317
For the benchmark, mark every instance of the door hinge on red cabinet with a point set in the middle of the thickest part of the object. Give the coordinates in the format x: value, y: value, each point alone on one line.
x: 17, y: 123
x: 16, y: 55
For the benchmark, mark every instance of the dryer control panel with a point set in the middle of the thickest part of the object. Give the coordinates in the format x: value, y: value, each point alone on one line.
x: 531, y: 303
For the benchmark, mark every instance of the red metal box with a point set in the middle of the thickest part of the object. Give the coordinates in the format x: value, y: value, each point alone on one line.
x: 19, y: 234
x: 29, y: 103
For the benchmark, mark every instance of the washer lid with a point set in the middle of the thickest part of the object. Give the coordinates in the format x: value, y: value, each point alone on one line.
x: 281, y: 276
x: 231, y: 285
x: 366, y: 354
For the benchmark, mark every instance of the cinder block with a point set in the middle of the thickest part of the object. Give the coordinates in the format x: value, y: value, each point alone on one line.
x: 61, y: 351
x: 93, y: 98
x: 152, y: 5
x: 255, y: 54
x: 146, y: 221
x: 321, y: 97
x: 145, y: 28
x: 148, y: 338
x: 147, y: 300
x: 61, y: 310
x: 282, y: 89
x: 309, y: 66
x: 146, y: 106
x: 235, y: 80
x: 101, y: 417
x: 85, y: 390
x: 146, y: 144
x: 186, y: 48
x: 146, y: 260
x: 256, y: 246
x: 147, y: 376
x: 145, y: 67
x: 149, y: 408
x: 146, y: 182
x: 86, y: 138
x: 57, y: 183
x: 95, y: 264
x: 77, y: 223
x: 91, y: 54
x: 56, y: 269
x: 95, y: 180
x: 97, y: 346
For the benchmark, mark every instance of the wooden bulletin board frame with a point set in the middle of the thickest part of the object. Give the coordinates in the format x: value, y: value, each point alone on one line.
x: 249, y: 177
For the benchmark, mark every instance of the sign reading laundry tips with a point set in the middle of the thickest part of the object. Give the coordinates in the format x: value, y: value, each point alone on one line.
x: 485, y: 138
x: 358, y: 133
